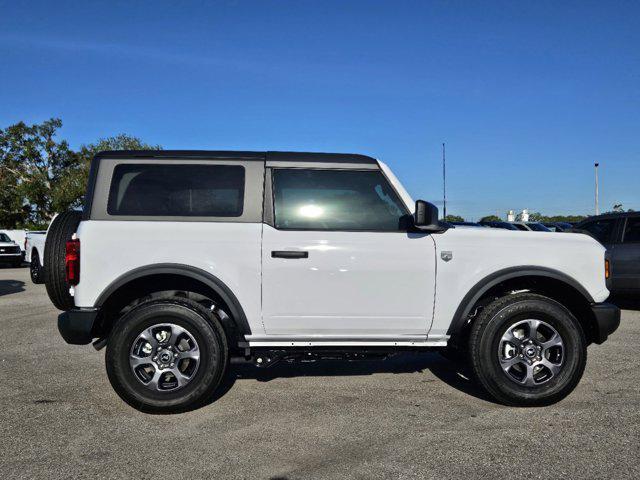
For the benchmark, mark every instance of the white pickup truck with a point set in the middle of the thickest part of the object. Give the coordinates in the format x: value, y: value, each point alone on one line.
x: 34, y: 253
x: 182, y: 260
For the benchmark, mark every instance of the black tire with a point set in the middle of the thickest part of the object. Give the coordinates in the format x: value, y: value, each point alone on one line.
x: 485, y: 344
x: 60, y: 231
x: 205, y: 328
x: 36, y: 269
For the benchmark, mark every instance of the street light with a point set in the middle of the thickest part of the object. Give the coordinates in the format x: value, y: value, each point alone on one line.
x: 597, y: 206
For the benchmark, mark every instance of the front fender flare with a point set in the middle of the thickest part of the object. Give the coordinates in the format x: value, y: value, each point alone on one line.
x: 490, y: 281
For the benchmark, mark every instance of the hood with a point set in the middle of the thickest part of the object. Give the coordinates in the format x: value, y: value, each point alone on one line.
x: 521, y: 238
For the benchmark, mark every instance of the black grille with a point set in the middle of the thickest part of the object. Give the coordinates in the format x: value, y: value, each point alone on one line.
x: 14, y: 249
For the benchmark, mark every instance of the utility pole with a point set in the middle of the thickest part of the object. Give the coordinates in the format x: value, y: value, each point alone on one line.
x: 444, y: 183
x: 597, y: 205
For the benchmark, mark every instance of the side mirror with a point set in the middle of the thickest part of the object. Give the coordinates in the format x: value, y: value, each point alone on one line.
x: 426, y: 217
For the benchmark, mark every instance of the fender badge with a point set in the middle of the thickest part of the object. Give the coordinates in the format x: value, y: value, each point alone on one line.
x: 446, y: 256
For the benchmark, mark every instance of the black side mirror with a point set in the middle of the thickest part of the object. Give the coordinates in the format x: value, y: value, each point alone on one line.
x: 426, y: 217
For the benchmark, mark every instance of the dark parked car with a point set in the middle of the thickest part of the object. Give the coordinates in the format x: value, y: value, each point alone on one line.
x: 503, y: 225
x: 465, y: 224
x: 558, y: 226
x: 620, y: 234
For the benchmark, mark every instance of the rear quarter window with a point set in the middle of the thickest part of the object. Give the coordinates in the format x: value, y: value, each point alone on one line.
x: 632, y: 230
x: 175, y: 190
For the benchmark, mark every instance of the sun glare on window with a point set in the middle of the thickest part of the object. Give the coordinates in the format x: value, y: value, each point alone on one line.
x: 310, y: 211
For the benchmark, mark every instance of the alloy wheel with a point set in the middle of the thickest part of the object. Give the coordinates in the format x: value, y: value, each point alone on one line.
x: 531, y: 352
x: 164, y: 357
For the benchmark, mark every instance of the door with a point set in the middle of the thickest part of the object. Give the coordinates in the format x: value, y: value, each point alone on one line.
x: 625, y: 264
x: 338, y: 260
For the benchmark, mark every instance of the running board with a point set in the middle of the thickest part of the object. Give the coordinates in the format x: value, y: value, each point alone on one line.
x: 270, y: 341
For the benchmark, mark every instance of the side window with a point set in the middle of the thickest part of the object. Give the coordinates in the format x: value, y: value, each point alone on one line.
x: 186, y: 190
x: 632, y: 230
x: 336, y: 200
x: 602, y: 230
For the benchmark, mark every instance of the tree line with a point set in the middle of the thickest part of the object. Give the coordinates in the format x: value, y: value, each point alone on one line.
x: 533, y: 217
x: 41, y: 175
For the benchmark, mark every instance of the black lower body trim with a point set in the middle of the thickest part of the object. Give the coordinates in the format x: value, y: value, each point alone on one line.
x: 607, y: 318
x: 76, y: 326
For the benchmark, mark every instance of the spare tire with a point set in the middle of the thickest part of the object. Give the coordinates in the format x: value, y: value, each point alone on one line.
x: 60, y: 231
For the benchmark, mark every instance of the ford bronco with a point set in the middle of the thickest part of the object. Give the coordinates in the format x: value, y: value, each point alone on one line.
x: 184, y: 260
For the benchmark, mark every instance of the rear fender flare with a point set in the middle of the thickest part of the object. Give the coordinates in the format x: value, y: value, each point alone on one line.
x: 236, y: 311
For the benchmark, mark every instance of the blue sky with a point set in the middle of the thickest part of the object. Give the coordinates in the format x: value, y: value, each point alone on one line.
x: 526, y: 95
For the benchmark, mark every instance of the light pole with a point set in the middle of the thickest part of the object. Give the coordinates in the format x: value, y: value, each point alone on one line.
x: 444, y: 184
x: 597, y: 206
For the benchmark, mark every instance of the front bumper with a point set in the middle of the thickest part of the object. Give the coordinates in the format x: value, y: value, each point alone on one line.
x: 607, y: 318
x: 11, y: 257
x: 76, y: 326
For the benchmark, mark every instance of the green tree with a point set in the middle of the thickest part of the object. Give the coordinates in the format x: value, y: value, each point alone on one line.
x: 491, y: 218
x: 565, y: 218
x: 40, y: 175
x: 453, y: 218
x: 33, y: 165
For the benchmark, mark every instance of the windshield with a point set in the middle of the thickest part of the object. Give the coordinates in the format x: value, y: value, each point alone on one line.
x: 507, y: 226
x: 538, y: 227
x: 4, y: 237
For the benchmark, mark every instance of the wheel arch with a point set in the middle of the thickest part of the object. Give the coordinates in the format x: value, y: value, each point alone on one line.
x: 168, y: 276
x: 549, y: 282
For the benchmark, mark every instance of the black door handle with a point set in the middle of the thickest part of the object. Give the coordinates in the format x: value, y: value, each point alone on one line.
x: 289, y: 254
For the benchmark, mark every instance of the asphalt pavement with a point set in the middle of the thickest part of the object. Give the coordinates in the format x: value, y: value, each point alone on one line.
x: 412, y: 416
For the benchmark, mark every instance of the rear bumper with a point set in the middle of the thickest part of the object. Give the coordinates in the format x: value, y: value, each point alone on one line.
x: 76, y: 326
x: 607, y: 318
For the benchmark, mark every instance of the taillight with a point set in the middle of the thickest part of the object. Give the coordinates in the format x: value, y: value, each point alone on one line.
x: 607, y: 269
x: 72, y: 261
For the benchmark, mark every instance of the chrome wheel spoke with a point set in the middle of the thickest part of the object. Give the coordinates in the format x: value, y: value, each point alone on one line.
x: 507, y: 363
x: 533, y: 328
x: 509, y: 337
x: 554, y: 341
x: 554, y: 368
x: 136, y: 361
x: 193, y: 354
x: 176, y: 332
x: 181, y: 378
x: 154, y: 383
x: 529, y: 380
x: 150, y: 338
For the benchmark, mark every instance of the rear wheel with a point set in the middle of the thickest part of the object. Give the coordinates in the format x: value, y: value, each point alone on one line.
x: 35, y: 268
x: 527, y: 350
x: 166, y: 356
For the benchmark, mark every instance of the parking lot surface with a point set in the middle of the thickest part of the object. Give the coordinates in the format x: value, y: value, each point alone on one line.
x: 411, y: 416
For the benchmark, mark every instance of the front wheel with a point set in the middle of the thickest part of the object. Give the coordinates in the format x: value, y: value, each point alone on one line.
x: 166, y: 356
x: 527, y: 350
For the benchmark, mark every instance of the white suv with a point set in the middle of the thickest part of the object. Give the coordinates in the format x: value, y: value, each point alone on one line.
x: 184, y: 259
